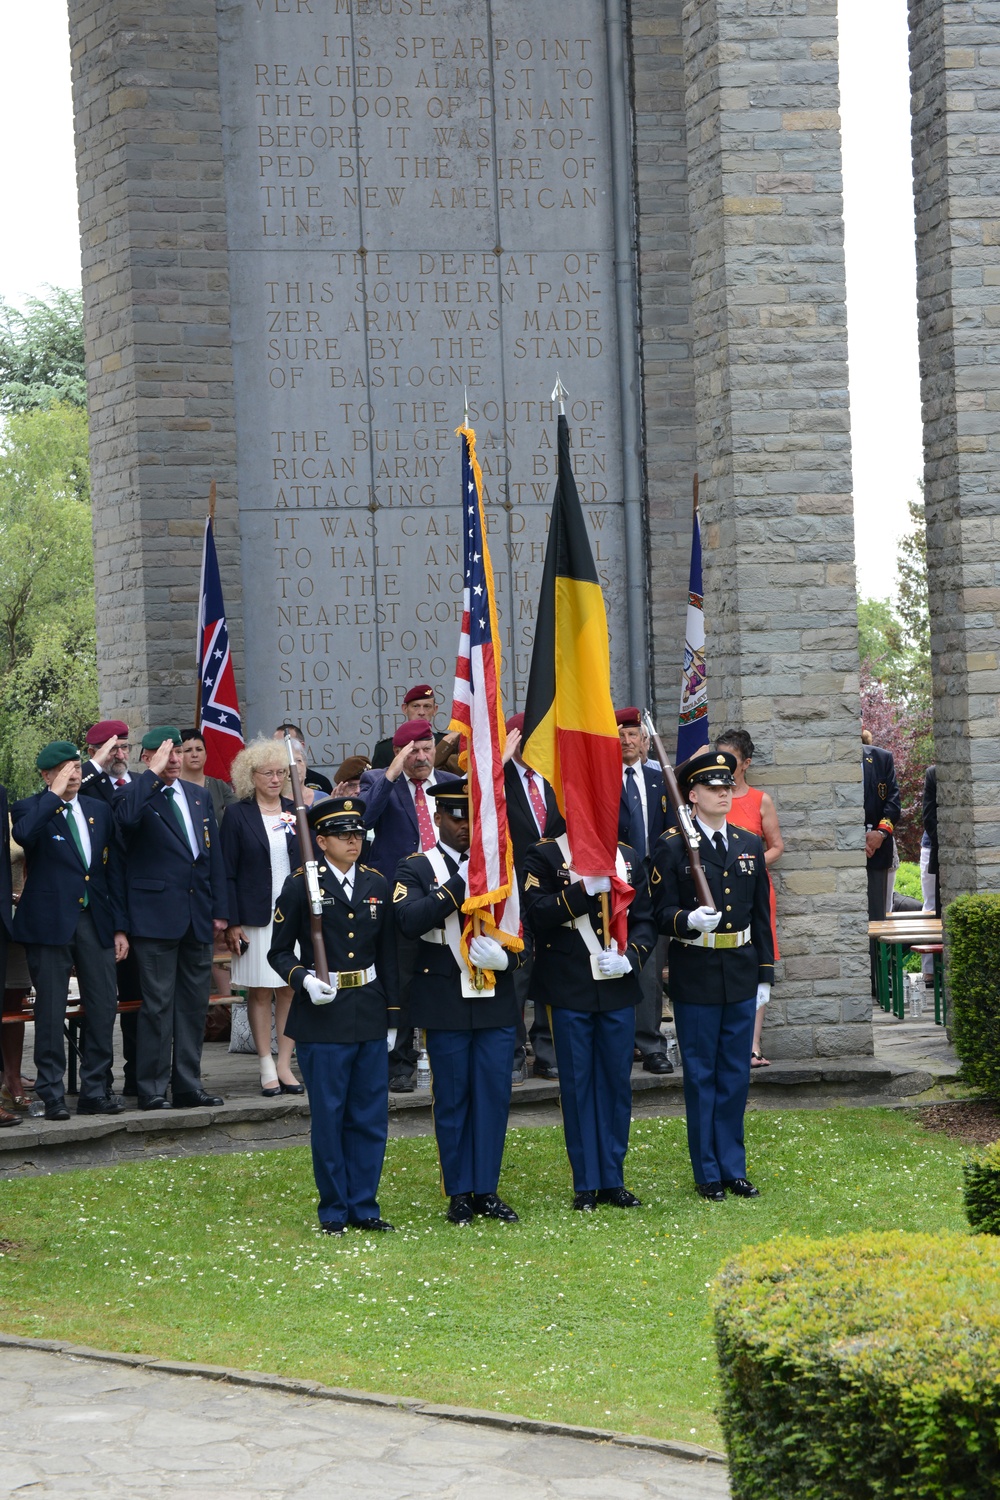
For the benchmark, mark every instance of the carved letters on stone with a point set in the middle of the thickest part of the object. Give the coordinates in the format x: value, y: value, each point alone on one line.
x: 419, y: 207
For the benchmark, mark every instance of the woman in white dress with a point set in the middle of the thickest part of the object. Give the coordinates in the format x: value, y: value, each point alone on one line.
x: 260, y: 847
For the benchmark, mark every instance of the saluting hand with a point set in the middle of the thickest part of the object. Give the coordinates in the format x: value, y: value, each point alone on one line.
x: 398, y: 766
x: 158, y: 761
x: 61, y: 779
x: 510, y: 745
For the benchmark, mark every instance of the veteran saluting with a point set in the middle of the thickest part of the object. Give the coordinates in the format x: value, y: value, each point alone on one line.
x: 343, y: 1030
x: 721, y: 964
x: 470, y: 1036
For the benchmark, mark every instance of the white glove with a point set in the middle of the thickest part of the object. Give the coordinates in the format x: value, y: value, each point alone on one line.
x: 390, y: 1040
x: 318, y: 992
x: 594, y: 885
x: 704, y: 919
x: 763, y: 995
x: 612, y: 963
x: 486, y: 953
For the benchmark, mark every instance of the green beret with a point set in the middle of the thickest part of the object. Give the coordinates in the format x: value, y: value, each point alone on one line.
x: 160, y: 732
x: 54, y: 753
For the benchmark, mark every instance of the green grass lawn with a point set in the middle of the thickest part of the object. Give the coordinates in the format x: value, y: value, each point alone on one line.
x: 597, y: 1318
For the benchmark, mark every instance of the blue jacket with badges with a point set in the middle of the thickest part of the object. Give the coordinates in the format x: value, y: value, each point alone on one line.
x: 390, y: 811
x: 882, y: 800
x: 741, y: 890
x: 167, y: 888
x: 246, y: 854
x: 656, y: 807
x: 56, y: 881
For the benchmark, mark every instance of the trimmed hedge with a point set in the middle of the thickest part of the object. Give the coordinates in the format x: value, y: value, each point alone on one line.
x: 982, y: 1191
x: 972, y: 924
x: 861, y: 1368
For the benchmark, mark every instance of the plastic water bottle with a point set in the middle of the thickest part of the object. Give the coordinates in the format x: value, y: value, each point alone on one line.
x: 672, y: 1049
x: 423, y: 1069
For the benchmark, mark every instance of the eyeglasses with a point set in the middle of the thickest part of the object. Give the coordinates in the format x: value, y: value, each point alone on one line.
x: 275, y: 775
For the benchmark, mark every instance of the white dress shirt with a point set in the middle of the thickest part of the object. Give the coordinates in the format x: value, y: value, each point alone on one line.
x: 76, y: 812
x: 711, y: 832
x: 180, y: 799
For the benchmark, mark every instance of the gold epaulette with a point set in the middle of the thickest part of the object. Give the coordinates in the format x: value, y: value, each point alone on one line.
x: 370, y: 868
x: 418, y: 854
x: 300, y: 871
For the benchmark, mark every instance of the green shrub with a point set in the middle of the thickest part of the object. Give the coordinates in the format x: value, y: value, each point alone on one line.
x: 982, y: 1190
x: 861, y: 1368
x: 972, y: 924
x: 907, y: 881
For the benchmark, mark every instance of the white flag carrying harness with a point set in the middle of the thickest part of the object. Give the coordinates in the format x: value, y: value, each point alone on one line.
x: 583, y: 924
x: 453, y: 931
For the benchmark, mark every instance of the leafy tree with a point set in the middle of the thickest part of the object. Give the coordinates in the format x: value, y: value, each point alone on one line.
x: 914, y: 603
x: 41, y: 352
x: 906, y: 732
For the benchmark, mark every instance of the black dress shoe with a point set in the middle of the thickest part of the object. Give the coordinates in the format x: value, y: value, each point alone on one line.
x: 492, y: 1207
x: 157, y: 1101
x: 291, y: 1088
x: 657, y: 1062
x: 585, y: 1202
x: 741, y: 1188
x: 544, y: 1070
x: 375, y: 1226
x: 6, y: 1118
x: 198, y: 1100
x: 402, y: 1083
x: 56, y: 1111
x: 109, y: 1105
x: 460, y: 1210
x: 618, y: 1198
x: 332, y: 1228
x: 274, y: 1093
x: 712, y: 1191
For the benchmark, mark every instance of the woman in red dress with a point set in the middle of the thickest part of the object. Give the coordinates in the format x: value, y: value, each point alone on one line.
x: 754, y: 810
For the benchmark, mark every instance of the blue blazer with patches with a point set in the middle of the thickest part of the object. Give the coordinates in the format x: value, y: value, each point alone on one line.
x: 390, y: 811
x: 167, y: 889
x: 656, y: 809
x: 246, y: 853
x: 55, y: 878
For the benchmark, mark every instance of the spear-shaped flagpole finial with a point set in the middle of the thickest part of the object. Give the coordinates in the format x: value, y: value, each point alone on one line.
x: 466, y: 389
x: 559, y: 393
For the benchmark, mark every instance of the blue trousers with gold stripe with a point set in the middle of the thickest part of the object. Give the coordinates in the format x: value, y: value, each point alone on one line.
x: 715, y: 1043
x: 348, y: 1085
x: 594, y: 1054
x: 472, y: 1081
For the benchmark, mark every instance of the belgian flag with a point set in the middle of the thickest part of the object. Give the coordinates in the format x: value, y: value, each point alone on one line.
x: 570, y: 732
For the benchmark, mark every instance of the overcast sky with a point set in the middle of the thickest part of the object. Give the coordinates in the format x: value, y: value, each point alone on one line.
x: 39, y: 247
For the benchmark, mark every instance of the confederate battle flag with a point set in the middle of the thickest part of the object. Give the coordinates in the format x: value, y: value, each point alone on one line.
x: 221, y: 726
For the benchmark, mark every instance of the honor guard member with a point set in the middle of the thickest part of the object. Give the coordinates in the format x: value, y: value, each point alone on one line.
x: 470, y: 1035
x: 343, y: 1030
x: 592, y: 993
x: 721, y: 965
x: 882, y: 809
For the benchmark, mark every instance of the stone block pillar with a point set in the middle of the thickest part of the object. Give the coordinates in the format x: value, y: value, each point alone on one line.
x: 955, y: 73
x: 770, y: 359
x: 156, y: 289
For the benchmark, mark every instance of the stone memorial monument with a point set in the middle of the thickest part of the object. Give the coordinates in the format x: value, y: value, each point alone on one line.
x: 315, y: 232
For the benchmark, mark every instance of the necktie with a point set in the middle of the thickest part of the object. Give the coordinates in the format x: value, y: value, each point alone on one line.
x: 537, y: 801
x: 171, y: 794
x: 425, y: 823
x: 720, y: 845
x: 78, y: 841
x: 348, y: 885
x: 633, y: 802
x: 121, y: 781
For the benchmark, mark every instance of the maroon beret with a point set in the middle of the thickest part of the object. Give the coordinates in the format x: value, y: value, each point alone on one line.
x: 422, y: 690
x: 516, y: 721
x: 628, y: 718
x: 100, y: 733
x: 411, y: 731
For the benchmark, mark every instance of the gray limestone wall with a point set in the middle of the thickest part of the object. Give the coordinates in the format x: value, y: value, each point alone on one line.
x: 955, y: 68
x: 770, y: 367
x: 159, y: 359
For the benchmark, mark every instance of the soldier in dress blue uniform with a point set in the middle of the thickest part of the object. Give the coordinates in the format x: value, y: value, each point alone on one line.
x: 721, y: 966
x: 470, y: 1038
x: 593, y: 1019
x: 343, y: 1030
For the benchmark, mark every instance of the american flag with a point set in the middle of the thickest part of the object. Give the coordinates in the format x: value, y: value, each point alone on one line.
x: 221, y: 726
x: 477, y: 713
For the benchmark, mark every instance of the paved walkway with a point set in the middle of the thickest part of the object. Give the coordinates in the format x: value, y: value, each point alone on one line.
x: 75, y: 1427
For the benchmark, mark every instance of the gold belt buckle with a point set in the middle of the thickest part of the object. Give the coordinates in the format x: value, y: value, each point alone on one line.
x: 725, y: 939
x: 352, y: 979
